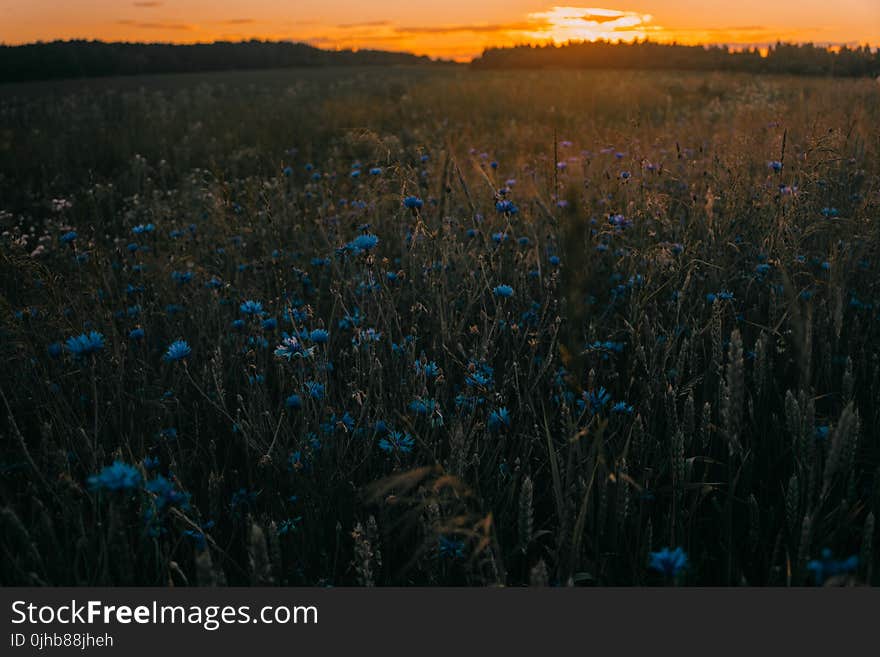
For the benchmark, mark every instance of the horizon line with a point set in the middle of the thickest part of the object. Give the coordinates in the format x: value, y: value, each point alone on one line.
x: 826, y: 45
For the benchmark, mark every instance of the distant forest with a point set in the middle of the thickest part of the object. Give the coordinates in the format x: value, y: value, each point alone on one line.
x: 84, y: 59
x: 798, y: 59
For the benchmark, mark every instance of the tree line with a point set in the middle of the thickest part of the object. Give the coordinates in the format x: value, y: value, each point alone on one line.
x: 80, y: 59
x: 797, y: 59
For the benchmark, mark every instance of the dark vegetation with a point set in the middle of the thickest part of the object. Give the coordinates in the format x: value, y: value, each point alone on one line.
x: 88, y: 59
x: 440, y: 326
x: 787, y: 58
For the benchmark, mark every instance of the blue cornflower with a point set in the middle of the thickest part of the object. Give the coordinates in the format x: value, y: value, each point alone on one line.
x: 291, y: 347
x: 827, y: 566
x: 54, y: 350
x: 177, y: 350
x: 504, y: 291
x: 269, y: 324
x: 711, y: 297
x: 294, y: 402
x: 197, y: 536
x: 622, y: 407
x: 594, y: 400
x: 68, y: 237
x: 363, y: 242
x: 499, y: 419
x: 136, y: 334
x: 413, y: 202
x: 421, y: 406
x: 395, y: 441
x: 319, y: 336
x: 450, y: 548
x: 669, y: 562
x: 776, y: 165
x: 482, y: 376
x: 167, y: 494
x: 119, y: 476
x: 85, y: 344
x: 430, y: 369
x: 250, y: 307
x: 351, y: 319
x: 366, y: 336
x: 288, y: 525
x: 506, y: 206
x: 316, y: 390
x: 345, y: 423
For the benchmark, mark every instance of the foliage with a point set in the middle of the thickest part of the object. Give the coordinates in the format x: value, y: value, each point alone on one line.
x: 628, y: 335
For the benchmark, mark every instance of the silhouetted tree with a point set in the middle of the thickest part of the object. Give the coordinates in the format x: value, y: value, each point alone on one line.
x: 799, y: 59
x: 76, y: 59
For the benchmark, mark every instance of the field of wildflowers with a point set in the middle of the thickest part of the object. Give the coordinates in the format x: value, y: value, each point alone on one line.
x: 440, y: 327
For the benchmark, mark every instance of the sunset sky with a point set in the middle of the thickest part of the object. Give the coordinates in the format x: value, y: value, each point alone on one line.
x: 458, y: 29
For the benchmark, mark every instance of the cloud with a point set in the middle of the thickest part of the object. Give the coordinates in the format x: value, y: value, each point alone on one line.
x: 356, y: 40
x: 158, y: 26
x: 147, y: 5
x: 554, y: 25
x: 237, y: 21
x: 597, y: 18
x: 742, y: 36
x: 560, y: 24
x: 349, y: 26
x: 475, y: 29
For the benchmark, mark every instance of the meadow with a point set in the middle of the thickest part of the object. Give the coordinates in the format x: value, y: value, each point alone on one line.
x: 414, y: 326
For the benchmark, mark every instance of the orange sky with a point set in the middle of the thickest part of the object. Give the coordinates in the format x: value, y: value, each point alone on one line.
x: 456, y: 29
